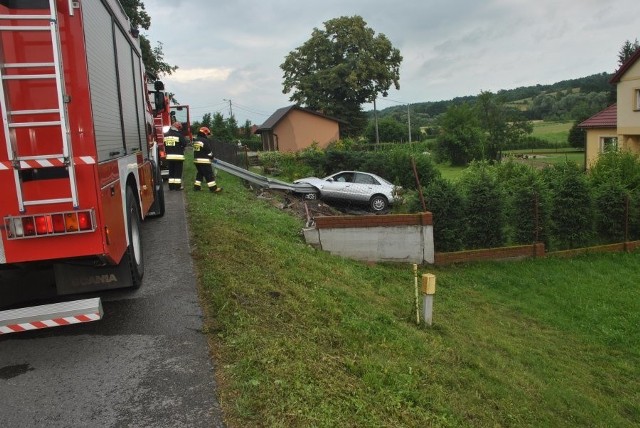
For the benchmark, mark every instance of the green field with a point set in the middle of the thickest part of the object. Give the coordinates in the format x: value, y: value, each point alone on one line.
x: 555, y: 132
x: 301, y: 338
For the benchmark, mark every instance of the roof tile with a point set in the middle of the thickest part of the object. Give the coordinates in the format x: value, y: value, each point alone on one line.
x: 607, y: 118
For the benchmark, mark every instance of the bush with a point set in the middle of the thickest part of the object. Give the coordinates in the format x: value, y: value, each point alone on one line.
x: 444, y: 201
x: 621, y: 166
x: 572, y: 207
x: 483, y: 207
x: 396, y: 166
x: 526, y: 203
x: 610, y: 200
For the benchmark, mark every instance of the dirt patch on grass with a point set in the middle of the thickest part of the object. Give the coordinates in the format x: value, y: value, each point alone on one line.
x: 307, y: 210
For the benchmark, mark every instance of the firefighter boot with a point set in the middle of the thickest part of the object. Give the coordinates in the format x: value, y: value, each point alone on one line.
x: 196, y: 186
x: 215, y: 189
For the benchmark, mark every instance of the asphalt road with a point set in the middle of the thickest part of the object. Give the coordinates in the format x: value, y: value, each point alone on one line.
x: 145, y: 364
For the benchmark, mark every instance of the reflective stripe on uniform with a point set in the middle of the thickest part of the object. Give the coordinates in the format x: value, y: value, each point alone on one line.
x: 211, y: 183
x: 197, y: 183
x: 175, y: 157
x: 202, y: 161
x: 171, y: 141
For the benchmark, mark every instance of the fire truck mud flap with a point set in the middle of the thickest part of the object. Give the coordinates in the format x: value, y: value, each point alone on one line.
x: 76, y: 278
x: 73, y: 278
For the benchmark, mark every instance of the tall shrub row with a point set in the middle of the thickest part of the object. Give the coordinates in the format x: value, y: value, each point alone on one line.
x: 494, y: 205
x: 510, y: 203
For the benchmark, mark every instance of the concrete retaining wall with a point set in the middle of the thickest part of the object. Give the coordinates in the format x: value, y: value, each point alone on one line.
x: 397, y: 238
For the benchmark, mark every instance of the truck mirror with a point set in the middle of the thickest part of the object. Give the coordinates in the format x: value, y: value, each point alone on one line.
x: 158, y: 85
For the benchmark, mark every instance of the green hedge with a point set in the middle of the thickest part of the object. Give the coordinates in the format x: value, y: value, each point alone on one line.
x: 494, y: 205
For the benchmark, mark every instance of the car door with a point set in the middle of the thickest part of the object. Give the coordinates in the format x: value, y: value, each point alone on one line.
x: 363, y: 187
x: 336, y: 186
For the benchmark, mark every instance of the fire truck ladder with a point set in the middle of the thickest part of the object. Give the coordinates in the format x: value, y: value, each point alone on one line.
x: 50, y: 24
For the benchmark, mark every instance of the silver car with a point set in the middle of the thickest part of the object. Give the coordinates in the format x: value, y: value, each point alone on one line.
x: 354, y: 186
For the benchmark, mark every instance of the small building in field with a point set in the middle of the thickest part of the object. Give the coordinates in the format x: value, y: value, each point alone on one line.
x: 294, y: 128
x: 602, y: 134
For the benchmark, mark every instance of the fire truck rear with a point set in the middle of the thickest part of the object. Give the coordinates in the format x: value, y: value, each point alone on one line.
x: 79, y: 164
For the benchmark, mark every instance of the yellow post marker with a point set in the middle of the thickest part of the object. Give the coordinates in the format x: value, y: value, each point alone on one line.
x: 428, y: 291
x: 415, y: 277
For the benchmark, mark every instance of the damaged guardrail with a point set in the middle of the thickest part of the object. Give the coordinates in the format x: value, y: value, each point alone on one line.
x: 261, y: 180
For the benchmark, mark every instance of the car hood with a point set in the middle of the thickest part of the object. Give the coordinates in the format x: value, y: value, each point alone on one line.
x: 314, y: 181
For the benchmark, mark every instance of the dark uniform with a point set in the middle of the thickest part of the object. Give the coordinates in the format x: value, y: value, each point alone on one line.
x: 175, y: 143
x: 202, y: 158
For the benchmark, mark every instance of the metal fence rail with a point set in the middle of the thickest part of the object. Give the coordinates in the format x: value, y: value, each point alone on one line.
x: 262, y: 181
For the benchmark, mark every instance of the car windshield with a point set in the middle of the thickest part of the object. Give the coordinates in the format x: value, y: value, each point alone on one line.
x: 343, y: 177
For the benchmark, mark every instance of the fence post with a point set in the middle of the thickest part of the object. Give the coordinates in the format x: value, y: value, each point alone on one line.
x: 626, y: 218
x: 536, y: 217
x: 415, y: 174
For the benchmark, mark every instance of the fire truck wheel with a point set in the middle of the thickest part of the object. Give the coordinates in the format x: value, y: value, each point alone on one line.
x: 134, y: 250
x: 158, y: 207
x: 160, y: 196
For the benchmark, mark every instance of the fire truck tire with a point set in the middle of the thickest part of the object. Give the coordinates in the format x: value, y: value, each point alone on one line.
x: 158, y: 207
x: 160, y: 196
x: 134, y: 250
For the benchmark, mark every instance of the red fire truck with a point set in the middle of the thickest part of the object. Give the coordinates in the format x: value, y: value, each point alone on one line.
x: 79, y: 161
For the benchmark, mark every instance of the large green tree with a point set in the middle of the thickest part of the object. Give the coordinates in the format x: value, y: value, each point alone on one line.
x: 627, y: 49
x: 340, y: 68
x: 152, y: 57
x: 389, y: 131
x: 503, y: 125
x: 461, y: 137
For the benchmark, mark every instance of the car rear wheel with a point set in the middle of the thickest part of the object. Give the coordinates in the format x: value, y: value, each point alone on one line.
x: 378, y: 203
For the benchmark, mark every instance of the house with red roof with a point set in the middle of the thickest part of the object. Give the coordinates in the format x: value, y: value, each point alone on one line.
x: 603, y: 132
x: 294, y: 128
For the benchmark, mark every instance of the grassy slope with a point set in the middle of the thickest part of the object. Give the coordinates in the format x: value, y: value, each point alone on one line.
x: 303, y: 338
x: 556, y: 132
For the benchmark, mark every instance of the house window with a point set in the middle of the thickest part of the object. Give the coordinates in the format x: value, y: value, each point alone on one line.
x: 608, y: 144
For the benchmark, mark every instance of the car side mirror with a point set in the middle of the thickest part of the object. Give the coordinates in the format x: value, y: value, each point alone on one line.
x: 330, y: 179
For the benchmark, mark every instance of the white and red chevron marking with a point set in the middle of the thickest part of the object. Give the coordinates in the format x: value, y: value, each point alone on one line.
x: 84, y: 160
x: 56, y: 322
x: 46, y: 163
x: 41, y: 163
x: 51, y: 315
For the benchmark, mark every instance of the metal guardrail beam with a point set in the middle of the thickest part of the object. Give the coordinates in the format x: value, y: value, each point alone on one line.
x: 262, y: 181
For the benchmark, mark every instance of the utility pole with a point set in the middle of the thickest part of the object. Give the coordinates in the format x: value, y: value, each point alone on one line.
x: 375, y: 116
x: 230, y: 108
x: 409, y: 120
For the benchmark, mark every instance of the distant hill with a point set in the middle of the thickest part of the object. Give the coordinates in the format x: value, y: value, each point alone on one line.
x: 574, y: 99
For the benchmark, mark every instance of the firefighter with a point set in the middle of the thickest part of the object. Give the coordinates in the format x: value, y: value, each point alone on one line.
x: 175, y: 144
x: 203, y: 157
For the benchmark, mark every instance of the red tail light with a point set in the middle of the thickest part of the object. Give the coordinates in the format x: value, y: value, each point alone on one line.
x: 28, y: 226
x: 84, y: 220
x: 50, y: 224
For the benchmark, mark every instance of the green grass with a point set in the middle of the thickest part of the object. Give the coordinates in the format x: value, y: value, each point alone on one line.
x: 451, y: 173
x: 302, y: 338
x: 540, y: 158
x: 556, y: 132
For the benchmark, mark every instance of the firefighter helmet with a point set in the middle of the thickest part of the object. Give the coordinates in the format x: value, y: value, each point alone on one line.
x: 204, y: 130
x: 177, y: 125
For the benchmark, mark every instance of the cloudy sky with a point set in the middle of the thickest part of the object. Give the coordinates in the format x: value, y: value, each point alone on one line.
x: 232, y: 50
